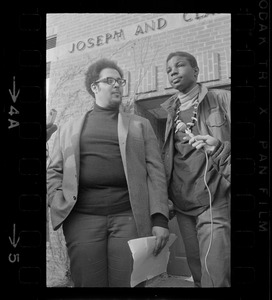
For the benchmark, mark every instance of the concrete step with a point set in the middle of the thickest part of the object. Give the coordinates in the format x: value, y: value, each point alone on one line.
x: 166, y: 280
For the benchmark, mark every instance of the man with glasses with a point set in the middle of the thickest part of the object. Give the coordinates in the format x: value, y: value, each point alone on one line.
x: 106, y: 184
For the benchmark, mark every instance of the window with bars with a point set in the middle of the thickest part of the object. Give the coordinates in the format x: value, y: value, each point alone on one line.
x: 51, y: 42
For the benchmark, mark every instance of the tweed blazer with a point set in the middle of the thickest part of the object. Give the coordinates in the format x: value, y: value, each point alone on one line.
x: 142, y: 163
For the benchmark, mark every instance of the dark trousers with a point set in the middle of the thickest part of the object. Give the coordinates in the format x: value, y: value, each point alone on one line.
x: 196, y: 234
x: 98, y: 249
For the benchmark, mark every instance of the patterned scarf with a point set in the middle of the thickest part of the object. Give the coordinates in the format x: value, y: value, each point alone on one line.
x: 187, y: 100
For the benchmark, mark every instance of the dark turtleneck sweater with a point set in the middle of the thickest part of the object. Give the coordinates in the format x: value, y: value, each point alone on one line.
x: 103, y: 187
x: 102, y: 183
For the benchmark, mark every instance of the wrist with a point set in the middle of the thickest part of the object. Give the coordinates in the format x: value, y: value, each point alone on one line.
x: 159, y: 220
x: 214, y: 148
x: 217, y: 149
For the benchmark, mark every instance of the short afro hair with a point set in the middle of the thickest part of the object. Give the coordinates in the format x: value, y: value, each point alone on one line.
x: 94, y: 70
x: 190, y: 57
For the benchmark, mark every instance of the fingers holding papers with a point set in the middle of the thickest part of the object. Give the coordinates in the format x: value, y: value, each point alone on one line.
x: 162, y: 237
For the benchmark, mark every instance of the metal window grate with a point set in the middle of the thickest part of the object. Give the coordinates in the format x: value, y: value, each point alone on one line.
x: 51, y: 42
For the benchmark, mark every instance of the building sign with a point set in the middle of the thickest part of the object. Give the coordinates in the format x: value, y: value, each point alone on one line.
x: 164, y: 23
x: 125, y: 34
x: 98, y: 41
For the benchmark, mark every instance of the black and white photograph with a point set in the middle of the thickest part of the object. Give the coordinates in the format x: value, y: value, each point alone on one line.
x: 138, y: 150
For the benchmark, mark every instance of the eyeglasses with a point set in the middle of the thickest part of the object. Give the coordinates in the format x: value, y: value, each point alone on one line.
x: 112, y: 81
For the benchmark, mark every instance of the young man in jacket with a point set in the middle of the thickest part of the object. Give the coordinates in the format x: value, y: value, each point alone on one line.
x: 196, y: 155
x: 106, y: 184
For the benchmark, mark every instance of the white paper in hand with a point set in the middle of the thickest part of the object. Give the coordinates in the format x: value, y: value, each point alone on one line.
x: 146, y: 265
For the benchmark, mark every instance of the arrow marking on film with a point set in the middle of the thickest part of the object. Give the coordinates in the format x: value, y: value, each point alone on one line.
x: 13, y: 93
x: 13, y: 241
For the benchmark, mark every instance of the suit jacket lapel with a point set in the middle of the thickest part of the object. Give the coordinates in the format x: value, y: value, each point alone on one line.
x: 122, y: 128
x: 75, y: 140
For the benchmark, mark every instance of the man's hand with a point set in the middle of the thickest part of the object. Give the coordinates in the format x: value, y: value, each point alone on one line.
x: 162, y: 236
x: 202, y: 141
x: 50, y: 129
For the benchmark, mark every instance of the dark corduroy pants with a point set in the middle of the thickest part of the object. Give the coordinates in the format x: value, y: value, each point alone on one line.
x: 98, y: 249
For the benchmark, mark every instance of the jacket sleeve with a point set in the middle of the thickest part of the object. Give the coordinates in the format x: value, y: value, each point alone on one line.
x: 55, y: 170
x: 221, y: 159
x: 156, y: 179
x: 226, y: 102
x: 221, y: 156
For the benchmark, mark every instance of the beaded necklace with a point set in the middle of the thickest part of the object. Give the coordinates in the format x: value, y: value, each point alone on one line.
x: 181, y: 126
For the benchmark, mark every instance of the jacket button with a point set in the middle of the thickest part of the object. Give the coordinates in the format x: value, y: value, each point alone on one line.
x: 74, y: 197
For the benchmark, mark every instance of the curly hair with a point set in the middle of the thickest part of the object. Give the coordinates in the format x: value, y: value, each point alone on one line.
x: 94, y: 70
x: 190, y: 57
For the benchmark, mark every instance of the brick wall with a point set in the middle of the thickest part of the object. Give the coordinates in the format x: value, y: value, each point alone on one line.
x: 142, y: 59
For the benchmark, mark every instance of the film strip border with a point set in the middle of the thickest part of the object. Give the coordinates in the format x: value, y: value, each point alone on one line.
x: 25, y: 158
x: 251, y: 159
x: 24, y: 178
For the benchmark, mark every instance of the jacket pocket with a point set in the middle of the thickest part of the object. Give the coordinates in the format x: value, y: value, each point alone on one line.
x: 213, y: 179
x: 216, y: 118
x: 201, y: 192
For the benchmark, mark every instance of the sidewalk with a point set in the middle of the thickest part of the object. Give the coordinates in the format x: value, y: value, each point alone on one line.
x: 166, y: 280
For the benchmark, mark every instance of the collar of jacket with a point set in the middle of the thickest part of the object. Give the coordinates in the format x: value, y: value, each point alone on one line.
x: 170, y: 104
